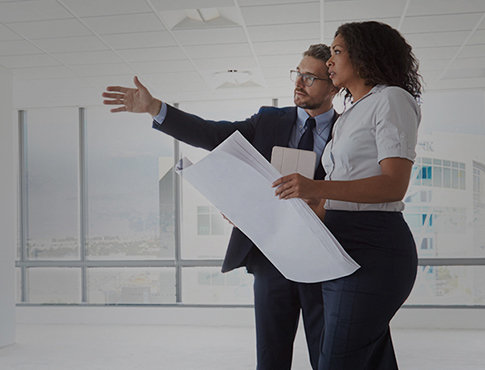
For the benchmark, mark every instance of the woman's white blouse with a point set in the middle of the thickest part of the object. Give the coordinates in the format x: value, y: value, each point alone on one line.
x: 382, y: 124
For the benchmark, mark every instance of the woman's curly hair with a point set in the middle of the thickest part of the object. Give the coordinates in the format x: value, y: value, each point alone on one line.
x: 381, y: 56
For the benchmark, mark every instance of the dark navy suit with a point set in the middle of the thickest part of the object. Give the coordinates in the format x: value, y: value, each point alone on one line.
x: 277, y: 301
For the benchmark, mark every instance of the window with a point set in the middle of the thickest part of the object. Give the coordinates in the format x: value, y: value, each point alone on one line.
x: 100, y: 206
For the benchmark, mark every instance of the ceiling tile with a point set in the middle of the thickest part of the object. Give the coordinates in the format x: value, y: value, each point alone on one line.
x: 164, y: 5
x: 20, y: 47
x: 50, y: 29
x: 218, y: 51
x: 89, y: 8
x: 90, y: 70
x: 144, y: 22
x: 163, y: 66
x: 445, y: 7
x: 71, y: 44
x: 152, y: 54
x: 283, y: 47
x: 36, y: 60
x: 435, y: 53
x: 224, y: 64
x: 139, y: 40
x: 243, y: 3
x: 344, y: 11
x: 468, y: 63
x: 44, y: 72
x: 61, y: 83
x: 7, y: 35
x: 437, y: 23
x: 473, y: 51
x: 211, y: 36
x: 88, y: 57
x: 289, y: 61
x: 434, y: 39
x: 281, y: 14
x: 24, y: 11
x: 295, y: 31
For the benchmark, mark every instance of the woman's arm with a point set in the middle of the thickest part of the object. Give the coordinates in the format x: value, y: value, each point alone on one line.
x: 390, y: 186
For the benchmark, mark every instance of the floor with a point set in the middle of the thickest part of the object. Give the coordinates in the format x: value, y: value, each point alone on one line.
x: 106, y: 347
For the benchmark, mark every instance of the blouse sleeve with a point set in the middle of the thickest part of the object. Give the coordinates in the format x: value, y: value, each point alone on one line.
x: 397, y: 119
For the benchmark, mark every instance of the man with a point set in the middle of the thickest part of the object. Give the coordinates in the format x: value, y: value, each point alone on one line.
x: 277, y: 301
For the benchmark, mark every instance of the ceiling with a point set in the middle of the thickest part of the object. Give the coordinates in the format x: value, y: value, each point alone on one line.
x: 64, y: 52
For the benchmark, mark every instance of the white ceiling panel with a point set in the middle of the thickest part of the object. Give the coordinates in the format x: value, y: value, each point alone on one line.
x: 71, y: 44
x: 152, y: 54
x: 243, y: 3
x: 50, y: 29
x: 163, y: 66
x: 20, y: 47
x: 363, y: 10
x: 88, y: 57
x: 436, y: 23
x: 434, y: 39
x: 283, y: 47
x: 91, y: 70
x: 218, y: 51
x: 61, y: 83
x: 478, y: 37
x: 445, y: 7
x: 139, y: 40
x: 295, y: 31
x: 7, y: 35
x: 132, y: 23
x: 210, y: 36
x: 473, y: 51
x: 36, y: 60
x: 44, y: 72
x: 281, y: 14
x: 435, y: 53
x: 164, y: 5
x: 24, y: 11
x: 101, y: 42
x: 472, y: 63
x: 224, y: 64
x: 89, y: 8
x: 287, y: 61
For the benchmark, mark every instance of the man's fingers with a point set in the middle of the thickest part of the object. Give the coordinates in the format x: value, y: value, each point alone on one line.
x: 118, y: 88
x: 116, y: 110
x: 113, y: 95
x: 113, y: 102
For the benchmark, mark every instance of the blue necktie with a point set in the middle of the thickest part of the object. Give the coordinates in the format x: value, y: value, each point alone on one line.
x: 306, y: 143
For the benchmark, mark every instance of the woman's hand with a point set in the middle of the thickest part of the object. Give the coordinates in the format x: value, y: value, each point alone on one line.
x: 295, y: 186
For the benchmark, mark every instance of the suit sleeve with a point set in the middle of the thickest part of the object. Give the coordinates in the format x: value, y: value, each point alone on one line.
x: 201, y: 133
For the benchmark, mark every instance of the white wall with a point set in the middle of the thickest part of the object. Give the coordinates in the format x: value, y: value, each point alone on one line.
x: 8, y: 210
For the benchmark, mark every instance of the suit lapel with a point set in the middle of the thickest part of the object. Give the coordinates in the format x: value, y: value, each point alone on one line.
x: 284, y: 126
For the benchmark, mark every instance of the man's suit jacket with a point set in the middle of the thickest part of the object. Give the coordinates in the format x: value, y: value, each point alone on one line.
x: 268, y: 128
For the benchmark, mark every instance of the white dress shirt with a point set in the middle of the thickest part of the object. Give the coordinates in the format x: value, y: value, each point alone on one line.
x: 382, y: 124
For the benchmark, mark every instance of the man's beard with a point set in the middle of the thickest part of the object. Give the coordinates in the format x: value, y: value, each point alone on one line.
x: 308, y: 104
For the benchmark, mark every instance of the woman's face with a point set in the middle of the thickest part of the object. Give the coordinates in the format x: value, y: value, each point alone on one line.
x: 340, y: 67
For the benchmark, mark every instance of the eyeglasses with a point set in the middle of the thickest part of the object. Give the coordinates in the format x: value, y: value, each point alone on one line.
x: 307, y: 79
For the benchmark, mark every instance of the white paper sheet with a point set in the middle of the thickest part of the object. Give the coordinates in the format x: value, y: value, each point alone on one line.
x: 237, y: 179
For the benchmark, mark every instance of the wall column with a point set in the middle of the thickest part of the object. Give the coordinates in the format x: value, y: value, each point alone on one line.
x: 8, y: 209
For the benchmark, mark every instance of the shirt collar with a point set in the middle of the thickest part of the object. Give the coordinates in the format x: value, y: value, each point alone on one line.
x: 323, y: 120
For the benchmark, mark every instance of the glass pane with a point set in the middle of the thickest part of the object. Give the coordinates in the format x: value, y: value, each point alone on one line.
x: 52, y: 145
x: 205, y: 285
x: 130, y: 188
x: 449, y: 285
x: 131, y: 285
x: 55, y: 285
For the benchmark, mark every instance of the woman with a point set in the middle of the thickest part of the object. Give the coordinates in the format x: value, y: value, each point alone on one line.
x: 368, y: 165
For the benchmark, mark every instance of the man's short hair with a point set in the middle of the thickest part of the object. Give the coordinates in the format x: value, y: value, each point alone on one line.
x: 318, y: 51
